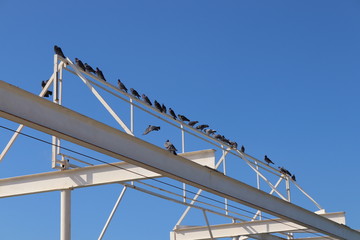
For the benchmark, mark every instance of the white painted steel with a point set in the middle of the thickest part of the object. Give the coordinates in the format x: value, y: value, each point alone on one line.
x: 23, y: 107
x: 65, y: 215
x: 247, y: 228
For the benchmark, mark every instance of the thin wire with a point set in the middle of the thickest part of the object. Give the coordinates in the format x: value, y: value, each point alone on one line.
x: 156, y: 180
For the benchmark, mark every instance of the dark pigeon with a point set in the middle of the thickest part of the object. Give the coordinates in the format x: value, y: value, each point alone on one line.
x: 183, y: 118
x: 202, y: 126
x: 242, y: 149
x: 59, y: 52
x: 170, y: 147
x: 122, y: 86
x: 218, y: 137
x: 284, y: 171
x: 192, y: 123
x: 163, y: 108
x: 100, y: 74
x: 134, y: 93
x: 158, y: 106
x: 146, y: 99
x: 209, y: 131
x: 293, y: 177
x: 88, y: 68
x: 225, y: 140
x: 151, y: 128
x: 48, y: 93
x: 233, y: 144
x: 267, y: 160
x: 80, y: 64
x: 172, y: 113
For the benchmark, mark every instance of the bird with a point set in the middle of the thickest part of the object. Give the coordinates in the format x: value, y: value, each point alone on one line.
x: 218, y: 137
x: 48, y: 93
x: 163, y: 108
x: 293, y: 177
x: 209, y: 131
x: 88, y: 68
x: 58, y: 51
x: 146, y: 99
x: 183, y: 118
x: 172, y: 113
x: 284, y: 171
x: 122, y: 86
x: 151, y: 128
x: 267, y: 160
x: 80, y: 64
x: 233, y: 144
x: 134, y: 93
x: 158, y: 106
x: 170, y: 147
x: 100, y: 74
x: 242, y: 149
x: 192, y: 123
x: 202, y: 126
x: 225, y: 140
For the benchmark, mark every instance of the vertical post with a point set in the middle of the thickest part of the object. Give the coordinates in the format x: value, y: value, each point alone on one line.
x: 224, y: 170
x: 183, y: 150
x: 55, y: 100
x: 258, y: 184
x: 131, y: 116
x: 288, y: 188
x: 65, y: 215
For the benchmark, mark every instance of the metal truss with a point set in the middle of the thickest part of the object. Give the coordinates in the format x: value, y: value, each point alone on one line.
x: 153, y: 162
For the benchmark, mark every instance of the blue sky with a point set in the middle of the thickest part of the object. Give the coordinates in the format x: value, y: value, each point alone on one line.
x: 280, y: 77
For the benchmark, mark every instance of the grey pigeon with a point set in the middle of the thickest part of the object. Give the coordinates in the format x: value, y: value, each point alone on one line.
x: 170, y: 147
x: 59, y: 52
x: 209, y: 131
x: 134, y: 93
x: 172, y: 113
x: 163, y: 108
x: 158, y: 106
x: 151, y: 128
x: 192, y: 123
x: 183, y: 118
x: 79, y: 64
x: 146, y: 99
x: 122, y: 86
x: 100, y: 74
x: 202, y: 126
x: 267, y: 160
x: 88, y: 68
x: 242, y: 149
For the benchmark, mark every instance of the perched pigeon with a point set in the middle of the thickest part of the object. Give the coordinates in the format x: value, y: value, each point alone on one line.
x: 100, y: 74
x: 146, y: 99
x: 284, y: 171
x: 170, y: 147
x: 163, y: 108
x: 79, y: 64
x: 233, y: 144
x: 192, y: 123
x: 242, y: 149
x: 48, y: 93
x: 122, y: 86
x: 172, y: 113
x: 209, y: 131
x: 218, y: 137
x: 267, y: 160
x: 225, y: 140
x: 158, y: 106
x: 293, y: 177
x: 151, y: 128
x: 88, y: 68
x: 59, y: 52
x: 202, y: 126
x: 134, y: 93
x: 183, y: 118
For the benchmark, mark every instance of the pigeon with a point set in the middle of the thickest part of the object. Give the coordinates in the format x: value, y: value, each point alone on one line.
x: 163, y: 108
x: 151, y: 128
x: 100, y: 74
x: 88, y: 68
x: 233, y: 144
x: 242, y: 149
x: 192, y: 123
x: 225, y: 140
x: 158, y: 106
x: 146, y: 99
x: 287, y: 172
x: 183, y: 118
x: 218, y: 137
x: 267, y: 160
x: 209, y: 131
x: 48, y: 93
x: 172, y: 113
x: 59, y: 52
x: 170, y: 147
x: 202, y: 126
x: 293, y: 177
x: 80, y: 64
x: 284, y: 171
x: 134, y: 93
x: 122, y: 86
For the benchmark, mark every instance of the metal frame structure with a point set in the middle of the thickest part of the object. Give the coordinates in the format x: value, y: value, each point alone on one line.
x: 152, y: 162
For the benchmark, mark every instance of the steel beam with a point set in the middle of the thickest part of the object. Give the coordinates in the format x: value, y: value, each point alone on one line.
x: 247, y: 228
x: 23, y: 107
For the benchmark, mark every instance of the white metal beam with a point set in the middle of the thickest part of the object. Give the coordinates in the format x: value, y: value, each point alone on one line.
x: 247, y: 228
x: 23, y: 107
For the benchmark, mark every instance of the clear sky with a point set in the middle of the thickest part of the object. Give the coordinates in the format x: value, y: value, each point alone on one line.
x: 280, y: 77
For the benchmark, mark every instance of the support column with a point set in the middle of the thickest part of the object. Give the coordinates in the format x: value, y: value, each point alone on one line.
x: 65, y: 215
